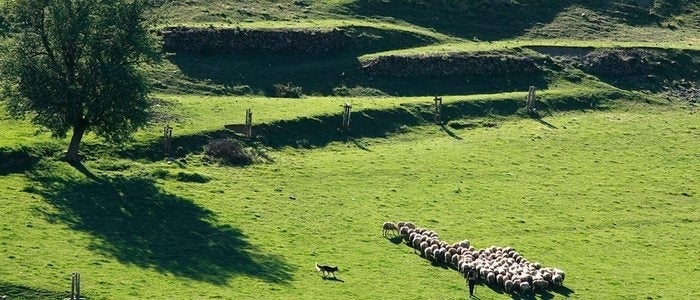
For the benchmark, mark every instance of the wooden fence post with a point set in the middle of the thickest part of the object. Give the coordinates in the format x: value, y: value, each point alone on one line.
x: 74, y: 287
x: 167, y: 139
x: 531, y: 98
x: 248, y: 123
x: 438, y: 109
x: 347, y: 108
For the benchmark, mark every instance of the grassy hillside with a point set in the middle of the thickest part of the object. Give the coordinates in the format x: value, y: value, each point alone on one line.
x: 600, y: 182
x: 601, y: 194
x: 381, y: 28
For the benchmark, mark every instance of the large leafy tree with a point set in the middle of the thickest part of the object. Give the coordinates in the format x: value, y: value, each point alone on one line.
x: 73, y: 65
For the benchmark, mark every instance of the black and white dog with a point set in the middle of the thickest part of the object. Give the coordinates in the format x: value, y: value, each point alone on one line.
x: 326, y: 269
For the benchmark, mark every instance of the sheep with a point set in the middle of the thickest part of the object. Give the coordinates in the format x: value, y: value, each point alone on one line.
x: 403, y: 232
x: 389, y: 227
x: 456, y: 259
x: 547, y: 276
x: 540, y: 284
x: 508, y: 286
x: 524, y: 288
x: 557, y: 279
x: 428, y: 253
x: 491, y: 277
x: 400, y: 224
x: 561, y: 273
x: 448, y: 256
x: 500, y: 279
x: 423, y: 246
x: 416, y: 240
x: 411, y: 236
x: 498, y: 266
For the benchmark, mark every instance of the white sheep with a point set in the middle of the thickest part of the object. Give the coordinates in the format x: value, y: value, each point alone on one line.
x: 423, y: 246
x: 524, y: 288
x: 448, y: 257
x: 508, y: 286
x: 428, y: 253
x: 404, y: 232
x: 561, y: 273
x: 540, y: 284
x: 557, y: 280
x: 491, y: 277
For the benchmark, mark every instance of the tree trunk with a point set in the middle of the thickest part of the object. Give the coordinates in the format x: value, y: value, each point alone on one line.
x: 78, y: 132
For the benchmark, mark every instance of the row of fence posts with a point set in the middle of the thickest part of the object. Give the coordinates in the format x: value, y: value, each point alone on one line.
x: 347, y: 110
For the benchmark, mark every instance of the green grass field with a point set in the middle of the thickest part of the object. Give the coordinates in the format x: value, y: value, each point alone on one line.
x: 609, y: 195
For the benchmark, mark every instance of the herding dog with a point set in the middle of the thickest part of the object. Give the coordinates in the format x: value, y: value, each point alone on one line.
x: 326, y: 269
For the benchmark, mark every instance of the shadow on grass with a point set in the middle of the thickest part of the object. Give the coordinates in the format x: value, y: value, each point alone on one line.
x: 303, y: 132
x: 539, y: 294
x: 497, y: 20
x: 25, y: 157
x: 361, y: 146
x: 333, y: 279
x: 396, y: 240
x: 134, y: 221
x: 16, y: 161
x: 321, y: 74
x: 319, y: 131
x: 13, y: 291
x: 450, y: 132
x: 537, y: 117
x: 468, y: 19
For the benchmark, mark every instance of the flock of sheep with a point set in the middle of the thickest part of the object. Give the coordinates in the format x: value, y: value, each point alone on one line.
x: 500, y: 267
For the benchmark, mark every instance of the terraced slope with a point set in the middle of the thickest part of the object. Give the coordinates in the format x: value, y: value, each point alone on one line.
x: 212, y: 50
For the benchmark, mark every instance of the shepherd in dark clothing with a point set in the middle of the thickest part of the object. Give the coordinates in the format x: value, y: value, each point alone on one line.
x: 472, y: 277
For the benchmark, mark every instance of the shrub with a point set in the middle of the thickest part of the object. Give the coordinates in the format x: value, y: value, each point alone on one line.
x: 160, y: 173
x: 287, y: 91
x: 229, y: 151
x: 358, y: 91
x: 191, y: 177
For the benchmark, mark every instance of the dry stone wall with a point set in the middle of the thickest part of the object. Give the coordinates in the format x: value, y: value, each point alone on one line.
x: 456, y: 64
x: 185, y: 39
x: 622, y: 62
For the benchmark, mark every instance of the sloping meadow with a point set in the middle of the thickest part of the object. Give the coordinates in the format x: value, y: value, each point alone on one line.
x: 609, y: 196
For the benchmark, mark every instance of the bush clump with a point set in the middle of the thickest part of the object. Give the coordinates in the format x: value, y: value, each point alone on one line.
x: 358, y: 91
x: 287, y: 91
x: 229, y: 151
x: 191, y: 177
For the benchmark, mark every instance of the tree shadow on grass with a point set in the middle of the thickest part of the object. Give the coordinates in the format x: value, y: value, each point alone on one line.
x: 14, y: 291
x: 137, y: 223
x: 538, y: 294
x: 22, y: 158
x: 16, y: 161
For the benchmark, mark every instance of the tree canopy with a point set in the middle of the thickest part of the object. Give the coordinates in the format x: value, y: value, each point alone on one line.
x: 74, y: 65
